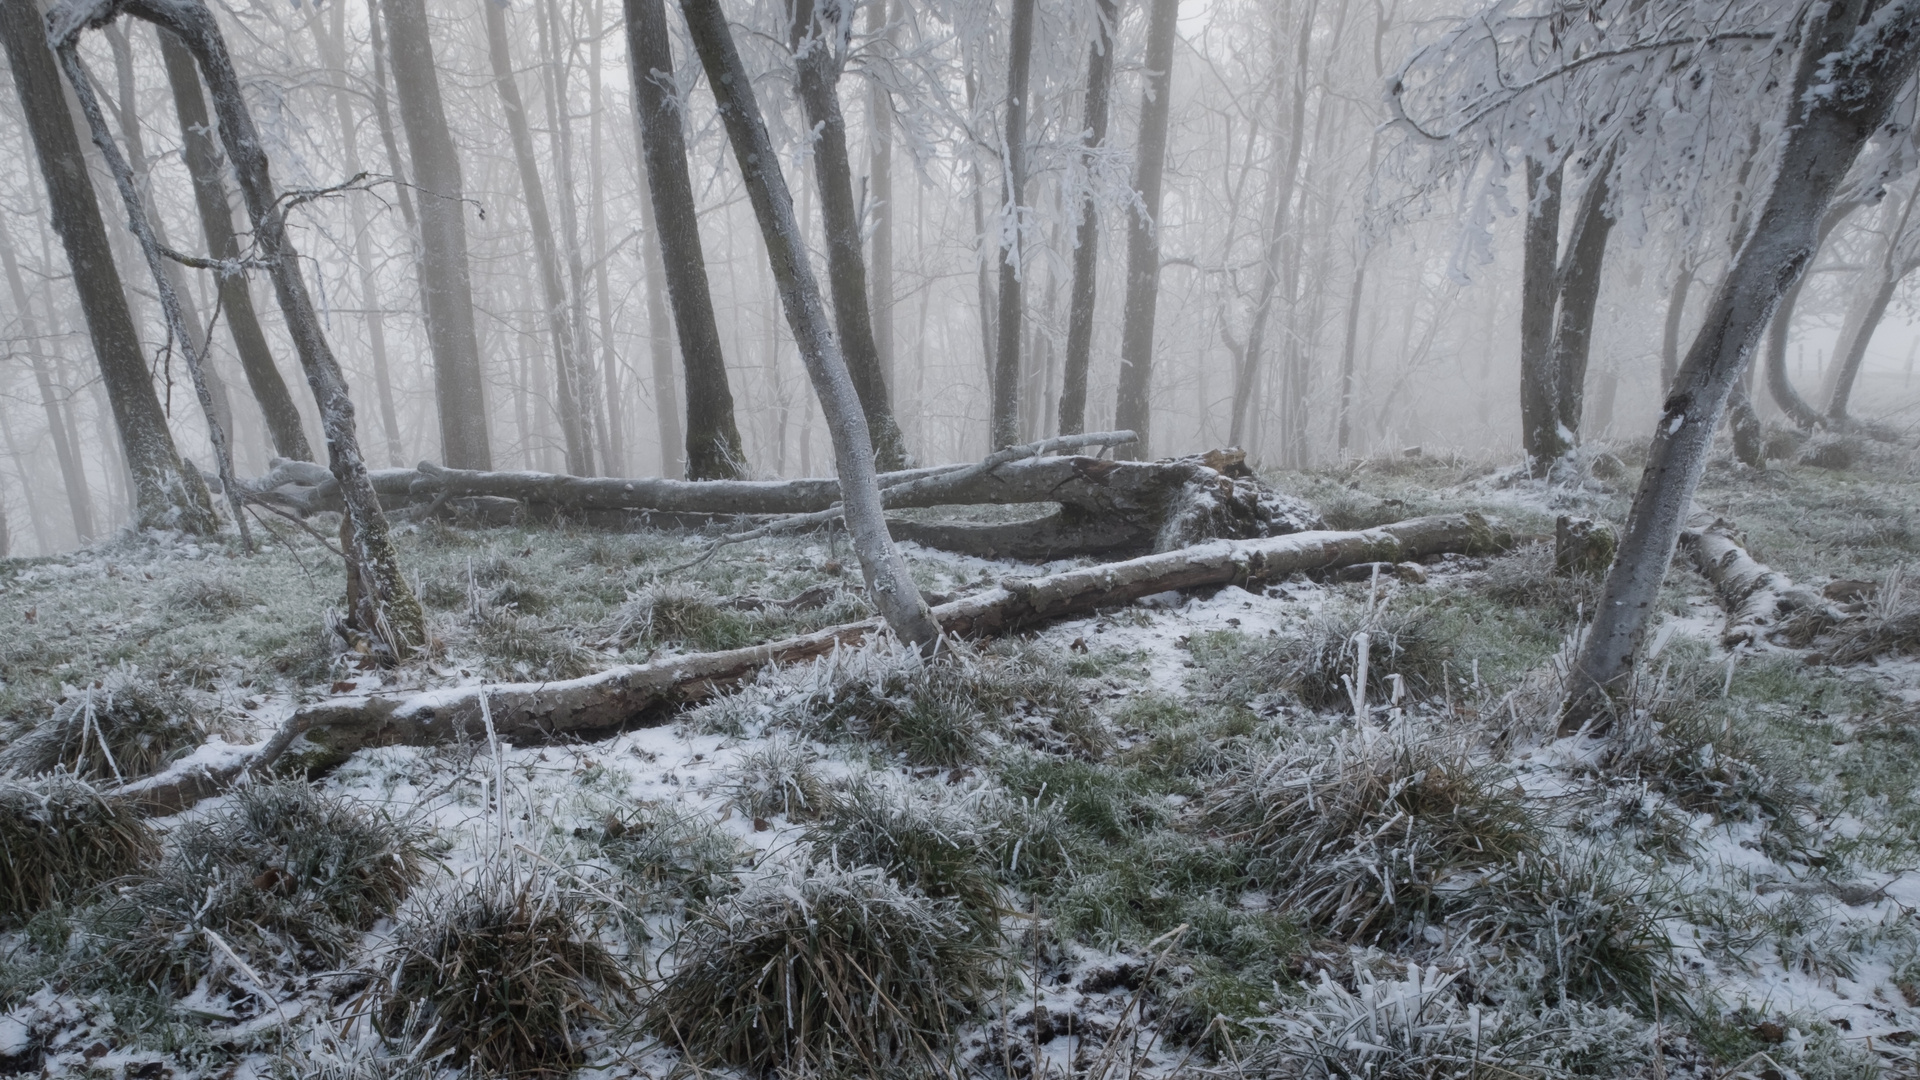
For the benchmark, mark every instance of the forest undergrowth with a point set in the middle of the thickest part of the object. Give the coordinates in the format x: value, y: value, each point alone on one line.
x: 1181, y: 838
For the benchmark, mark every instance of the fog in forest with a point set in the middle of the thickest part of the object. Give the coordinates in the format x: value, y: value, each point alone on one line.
x: 1326, y: 270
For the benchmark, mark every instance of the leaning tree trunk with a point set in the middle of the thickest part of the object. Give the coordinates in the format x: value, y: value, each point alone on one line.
x: 888, y: 580
x: 1779, y: 385
x: 445, y: 274
x: 713, y: 442
x: 382, y: 605
x: 546, y: 252
x: 73, y: 473
x: 1004, y: 427
x: 216, y: 225
x: 1868, y: 308
x: 1579, y: 298
x: 166, y: 494
x: 819, y: 43
x: 1862, y: 69
x: 1086, y: 234
x: 1539, y: 413
x: 1133, y: 409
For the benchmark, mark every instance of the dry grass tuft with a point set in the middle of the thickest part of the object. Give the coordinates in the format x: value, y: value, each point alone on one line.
x: 780, y: 777
x: 841, y: 969
x: 1359, y: 839
x: 128, y: 726
x: 500, y: 974
x: 60, y: 839
x: 1890, y: 623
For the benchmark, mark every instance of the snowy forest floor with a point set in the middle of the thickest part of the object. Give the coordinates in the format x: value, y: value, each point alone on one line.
x: 1154, y: 842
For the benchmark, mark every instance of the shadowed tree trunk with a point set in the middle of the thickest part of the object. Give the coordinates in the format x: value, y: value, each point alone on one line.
x: 1579, y: 299
x: 819, y: 41
x: 1133, y: 407
x: 889, y: 583
x: 1539, y: 415
x: 73, y: 472
x: 380, y: 603
x: 1004, y: 429
x: 1086, y: 235
x: 445, y: 274
x: 546, y: 251
x: 1670, y: 329
x: 713, y: 442
x: 880, y: 121
x: 165, y: 493
x: 1862, y: 68
x: 216, y: 226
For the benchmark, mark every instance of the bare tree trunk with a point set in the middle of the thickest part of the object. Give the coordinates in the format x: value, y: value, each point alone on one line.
x: 616, y: 463
x: 371, y: 301
x: 1539, y: 387
x: 1863, y: 317
x: 666, y: 396
x: 713, y: 442
x: 166, y: 495
x: 1004, y: 429
x: 381, y: 603
x: 1086, y: 235
x: 880, y: 123
x: 1133, y: 408
x: 73, y: 472
x: 1865, y: 65
x: 445, y: 274
x: 546, y: 251
x: 1779, y: 385
x: 888, y: 581
x: 216, y: 226
x: 1670, y: 328
x: 1579, y: 298
x: 819, y: 40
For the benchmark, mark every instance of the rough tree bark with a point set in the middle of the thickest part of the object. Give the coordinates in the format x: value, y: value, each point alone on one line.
x: 1860, y: 66
x: 1010, y: 323
x: 384, y: 608
x: 819, y: 40
x: 166, y: 494
x: 1133, y: 407
x: 713, y: 442
x: 533, y: 195
x: 216, y: 226
x: 1086, y: 232
x: 445, y: 276
x: 888, y: 581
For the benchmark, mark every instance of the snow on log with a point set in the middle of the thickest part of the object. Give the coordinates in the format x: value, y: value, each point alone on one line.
x: 1759, y: 601
x: 596, y: 705
x: 1105, y: 508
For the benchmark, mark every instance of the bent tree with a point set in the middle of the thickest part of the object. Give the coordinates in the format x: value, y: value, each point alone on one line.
x: 382, y: 605
x: 888, y: 581
x: 1849, y: 69
x: 166, y: 494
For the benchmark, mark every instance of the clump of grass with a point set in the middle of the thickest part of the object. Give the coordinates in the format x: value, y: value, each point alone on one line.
x: 840, y: 969
x: 667, y: 612
x: 283, y: 874
x: 780, y: 777
x: 1351, y: 508
x: 1526, y: 577
x: 1316, y: 663
x: 529, y: 648
x: 501, y: 973
x: 1584, y: 926
x: 207, y: 594
x: 925, y: 844
x: 1682, y: 740
x: 60, y: 839
x: 1889, y: 624
x: 128, y: 726
x: 1358, y: 838
x: 668, y: 853
x: 519, y: 596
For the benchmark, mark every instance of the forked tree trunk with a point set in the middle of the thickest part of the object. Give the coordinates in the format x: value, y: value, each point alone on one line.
x: 1862, y: 67
x: 713, y: 442
x: 165, y: 494
x: 819, y: 41
x: 888, y: 581
x: 1010, y: 323
x: 216, y: 226
x: 1133, y: 409
x: 445, y: 274
x: 383, y: 606
x: 546, y: 252
x: 1086, y: 234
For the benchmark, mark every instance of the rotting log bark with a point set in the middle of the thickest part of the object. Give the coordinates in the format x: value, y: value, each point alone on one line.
x: 612, y: 700
x: 1759, y: 601
x: 1106, y: 508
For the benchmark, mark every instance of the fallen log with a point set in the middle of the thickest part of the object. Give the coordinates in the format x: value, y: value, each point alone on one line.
x: 1759, y: 601
x: 1104, y: 508
x: 616, y: 699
